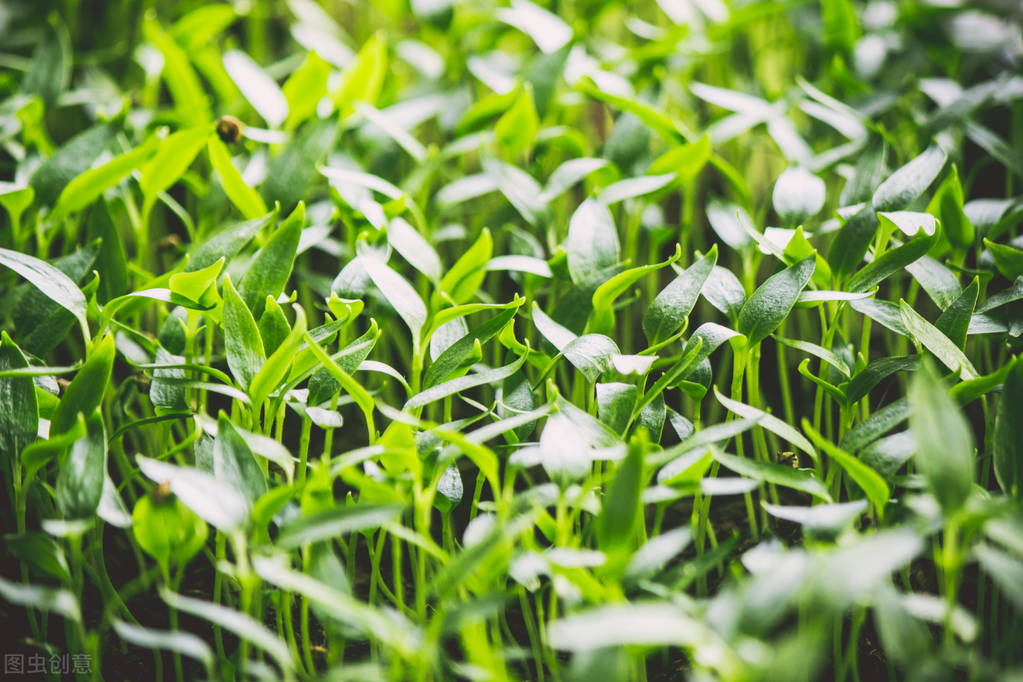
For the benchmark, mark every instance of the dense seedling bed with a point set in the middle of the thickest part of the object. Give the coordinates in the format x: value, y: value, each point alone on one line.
x: 460, y: 340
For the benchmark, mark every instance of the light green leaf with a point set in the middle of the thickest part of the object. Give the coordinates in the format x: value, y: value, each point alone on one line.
x: 85, y: 392
x: 245, y: 199
x: 867, y: 479
x: 461, y: 282
x: 170, y: 161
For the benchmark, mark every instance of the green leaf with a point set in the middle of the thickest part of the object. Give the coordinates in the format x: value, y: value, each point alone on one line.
x: 453, y: 386
x: 954, y: 322
x: 824, y: 354
x: 42, y: 324
x: 241, y: 624
x: 620, y: 508
x: 943, y: 437
x: 273, y: 325
x: 170, y: 161
x: 227, y: 243
x: 257, y: 87
x: 841, y: 27
x: 399, y: 293
x: 198, y: 285
x: 407, y: 241
x: 1005, y: 569
x: 19, y: 410
x: 234, y: 463
x: 245, y: 199
x: 630, y: 188
x: 876, y: 425
x: 1008, y: 259
x: 364, y: 78
x: 910, y: 181
x: 361, y: 396
x: 304, y: 89
x: 607, y: 293
x: 244, y: 348
x: 866, y: 478
x: 85, y: 392
x: 190, y: 101
x: 615, y: 403
x: 389, y: 628
x: 778, y: 474
x: 871, y: 375
x: 57, y: 600
x: 592, y: 244
x: 112, y: 262
x: 290, y: 172
x: 517, y: 127
x: 947, y: 202
x: 771, y: 303
x: 80, y: 481
x: 167, y: 530
x: 277, y: 366
x: 943, y: 348
x: 455, y: 355
x: 91, y: 184
x: 671, y: 307
x: 884, y: 313
x: 641, y: 624
x: 465, y: 276
x: 213, y: 500
x: 270, y: 269
x: 176, y: 641
x: 768, y: 421
x: 71, y: 160
x: 1008, y: 437
x: 940, y: 283
x: 723, y: 290
x: 334, y: 523
x: 49, y: 72
x: 41, y: 554
x: 890, y: 262
x: 852, y: 241
x: 51, y: 282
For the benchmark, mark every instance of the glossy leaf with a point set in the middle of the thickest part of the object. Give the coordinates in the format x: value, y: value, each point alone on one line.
x: 771, y: 303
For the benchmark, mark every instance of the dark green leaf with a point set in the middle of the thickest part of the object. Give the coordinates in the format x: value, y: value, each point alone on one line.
x: 269, y: 271
x: 944, y: 440
x: 592, y: 244
x: 955, y: 320
x: 910, y: 181
x: 771, y: 303
x: 1008, y: 437
x: 80, y: 482
x: 667, y: 312
x: 234, y: 463
x: 245, y: 354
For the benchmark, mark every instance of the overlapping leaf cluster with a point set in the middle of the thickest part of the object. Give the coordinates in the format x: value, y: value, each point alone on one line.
x: 459, y: 340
